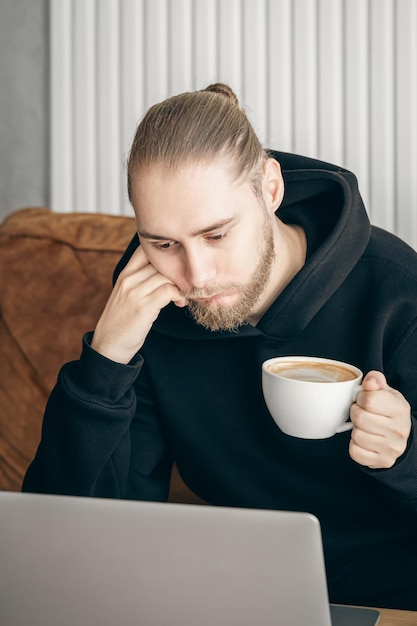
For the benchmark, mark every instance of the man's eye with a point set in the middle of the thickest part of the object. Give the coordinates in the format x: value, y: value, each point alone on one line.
x: 165, y: 245
x: 217, y: 237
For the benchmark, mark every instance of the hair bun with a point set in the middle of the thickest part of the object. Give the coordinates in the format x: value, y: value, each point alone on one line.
x: 224, y: 90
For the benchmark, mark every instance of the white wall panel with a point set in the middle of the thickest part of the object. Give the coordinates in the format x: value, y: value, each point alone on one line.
x: 131, y: 92
x: 108, y: 108
x: 356, y: 82
x: 229, y: 43
x: 406, y: 121
x: 85, y: 105
x: 306, y: 74
x: 205, y: 35
x: 280, y: 75
x: 333, y: 79
x: 156, y: 35
x: 254, y: 89
x: 180, y: 20
x: 330, y: 79
x: 62, y: 113
x: 382, y: 120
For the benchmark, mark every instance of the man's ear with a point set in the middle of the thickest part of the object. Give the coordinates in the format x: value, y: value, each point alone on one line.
x: 273, y: 184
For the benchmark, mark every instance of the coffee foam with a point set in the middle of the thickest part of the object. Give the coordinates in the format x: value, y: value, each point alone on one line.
x: 311, y: 371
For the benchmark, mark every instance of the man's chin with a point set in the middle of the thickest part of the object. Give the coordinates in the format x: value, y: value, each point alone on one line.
x: 217, y: 318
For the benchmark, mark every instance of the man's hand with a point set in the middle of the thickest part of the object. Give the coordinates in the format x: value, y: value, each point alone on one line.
x: 382, y: 423
x: 138, y: 296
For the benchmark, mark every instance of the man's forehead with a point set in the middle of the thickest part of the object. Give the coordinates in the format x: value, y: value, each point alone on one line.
x: 196, y: 199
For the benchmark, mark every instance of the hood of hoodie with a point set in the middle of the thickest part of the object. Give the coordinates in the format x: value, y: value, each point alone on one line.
x: 322, y: 198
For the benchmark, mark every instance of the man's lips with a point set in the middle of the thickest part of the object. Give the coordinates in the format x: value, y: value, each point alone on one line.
x: 213, y: 297
x: 209, y: 298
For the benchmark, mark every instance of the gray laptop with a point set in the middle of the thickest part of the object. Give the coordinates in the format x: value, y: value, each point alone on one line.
x: 68, y: 561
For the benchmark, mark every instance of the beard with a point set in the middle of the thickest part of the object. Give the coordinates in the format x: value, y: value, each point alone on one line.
x: 222, y: 317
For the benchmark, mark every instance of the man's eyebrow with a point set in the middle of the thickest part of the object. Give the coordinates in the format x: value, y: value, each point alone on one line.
x: 202, y: 231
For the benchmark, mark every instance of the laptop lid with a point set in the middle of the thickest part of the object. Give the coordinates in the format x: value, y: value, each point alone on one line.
x: 67, y: 560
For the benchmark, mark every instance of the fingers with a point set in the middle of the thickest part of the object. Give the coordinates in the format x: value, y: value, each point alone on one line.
x: 382, y: 423
x: 138, y: 296
x: 377, y: 441
x: 137, y: 261
x: 374, y: 380
x: 378, y: 398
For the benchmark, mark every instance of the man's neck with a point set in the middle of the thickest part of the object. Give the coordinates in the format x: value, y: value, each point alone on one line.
x: 291, y: 246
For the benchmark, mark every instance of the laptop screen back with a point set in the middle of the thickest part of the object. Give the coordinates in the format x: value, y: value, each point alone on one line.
x: 69, y: 561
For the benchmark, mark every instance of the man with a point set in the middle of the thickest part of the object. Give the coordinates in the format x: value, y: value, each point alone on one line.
x: 230, y: 272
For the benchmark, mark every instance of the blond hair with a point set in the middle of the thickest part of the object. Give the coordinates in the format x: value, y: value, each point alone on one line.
x: 197, y: 126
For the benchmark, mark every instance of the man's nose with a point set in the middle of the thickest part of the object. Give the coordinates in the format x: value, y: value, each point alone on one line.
x: 200, y: 269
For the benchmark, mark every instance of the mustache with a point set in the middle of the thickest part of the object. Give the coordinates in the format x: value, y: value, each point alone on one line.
x: 207, y: 292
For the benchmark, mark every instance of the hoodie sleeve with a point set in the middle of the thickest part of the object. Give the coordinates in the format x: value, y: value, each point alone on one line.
x: 89, y: 422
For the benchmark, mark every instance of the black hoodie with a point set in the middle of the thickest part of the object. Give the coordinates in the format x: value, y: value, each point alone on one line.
x: 194, y: 396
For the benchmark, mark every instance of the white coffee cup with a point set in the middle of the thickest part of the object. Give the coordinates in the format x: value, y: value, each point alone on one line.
x: 310, y: 397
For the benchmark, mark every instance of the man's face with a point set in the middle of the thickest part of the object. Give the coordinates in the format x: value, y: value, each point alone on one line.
x: 211, y: 236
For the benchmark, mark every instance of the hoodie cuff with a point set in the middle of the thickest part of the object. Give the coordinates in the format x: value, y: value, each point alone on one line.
x: 97, y: 376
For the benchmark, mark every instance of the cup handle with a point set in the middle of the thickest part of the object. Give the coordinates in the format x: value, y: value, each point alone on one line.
x: 344, y: 427
x: 349, y: 425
